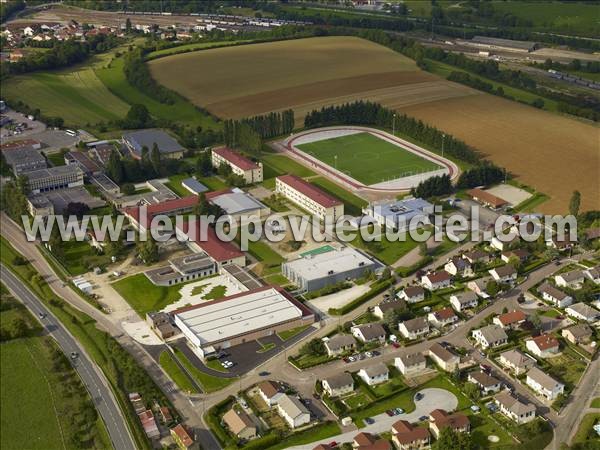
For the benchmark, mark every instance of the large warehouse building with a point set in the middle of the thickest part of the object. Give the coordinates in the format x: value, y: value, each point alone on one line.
x: 315, y: 271
x: 245, y: 317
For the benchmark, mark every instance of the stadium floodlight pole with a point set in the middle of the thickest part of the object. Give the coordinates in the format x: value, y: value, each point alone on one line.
x: 443, y: 139
x: 394, y: 125
x: 335, y: 162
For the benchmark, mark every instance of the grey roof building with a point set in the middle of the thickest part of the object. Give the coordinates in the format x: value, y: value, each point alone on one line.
x: 167, y: 145
x: 313, y: 272
x: 24, y: 160
x: 194, y: 186
x: 54, y: 178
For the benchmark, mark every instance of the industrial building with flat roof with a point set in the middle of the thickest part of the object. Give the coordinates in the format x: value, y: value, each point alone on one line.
x: 235, y: 202
x: 24, y: 159
x: 315, y: 271
x: 240, y: 318
x: 167, y: 145
x: 184, y: 268
x: 194, y: 186
x: 400, y: 215
x: 53, y: 178
x: 250, y: 171
x: 309, y: 197
x: 493, y: 43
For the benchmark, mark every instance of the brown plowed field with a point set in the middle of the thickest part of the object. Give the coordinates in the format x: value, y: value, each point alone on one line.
x: 553, y: 154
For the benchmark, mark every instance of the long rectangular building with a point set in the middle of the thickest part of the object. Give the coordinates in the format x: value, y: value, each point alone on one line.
x: 240, y: 318
x: 316, y: 271
x: 251, y: 171
x: 309, y: 197
x: 53, y: 178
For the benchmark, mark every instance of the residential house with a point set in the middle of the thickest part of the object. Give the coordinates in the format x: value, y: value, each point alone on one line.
x: 293, y: 411
x: 340, y: 343
x: 520, y: 254
x: 149, y: 424
x: 543, y: 345
x: 371, y: 332
x: 442, y: 317
x: 339, y: 384
x: 573, y: 279
x: 240, y: 424
x: 412, y: 363
x: 510, y: 320
x: 479, y: 286
x: 504, y: 274
x: 544, y: 384
x: 507, y: 242
x: 388, y: 305
x: 375, y: 374
x: 436, y: 280
x: 463, y: 301
x: 405, y: 436
x: 516, y: 361
x: 490, y: 336
x: 460, y: 267
x: 414, y: 328
x: 513, y: 408
x: 368, y: 441
x: 583, y: 311
x: 443, y: 357
x: 578, y: 334
x: 182, y: 438
x: 487, y: 383
x: 269, y: 392
x: 555, y: 296
x: 477, y: 257
x: 412, y: 294
x: 440, y: 419
x: 561, y: 244
x: 593, y: 274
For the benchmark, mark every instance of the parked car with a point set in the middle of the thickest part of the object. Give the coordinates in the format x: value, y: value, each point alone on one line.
x: 351, y: 359
x: 333, y: 444
x: 423, y: 418
x: 42, y: 315
x: 419, y: 396
x: 396, y: 345
x: 485, y: 368
x: 390, y: 412
x: 369, y: 420
x: 376, y: 353
x: 264, y: 373
x: 74, y: 355
x: 369, y: 354
x: 399, y: 411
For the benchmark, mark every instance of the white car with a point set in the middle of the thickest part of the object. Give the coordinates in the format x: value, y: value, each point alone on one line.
x: 227, y: 364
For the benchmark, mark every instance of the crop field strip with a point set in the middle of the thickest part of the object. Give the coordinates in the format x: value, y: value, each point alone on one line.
x: 367, y: 158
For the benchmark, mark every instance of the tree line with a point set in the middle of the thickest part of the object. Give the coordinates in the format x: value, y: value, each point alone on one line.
x: 138, y: 75
x: 369, y: 113
x: 272, y: 124
x: 63, y: 54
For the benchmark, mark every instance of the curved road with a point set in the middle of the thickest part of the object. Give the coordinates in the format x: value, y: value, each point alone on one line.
x: 90, y: 374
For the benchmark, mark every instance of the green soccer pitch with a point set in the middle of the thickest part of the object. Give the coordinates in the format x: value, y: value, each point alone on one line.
x: 367, y: 158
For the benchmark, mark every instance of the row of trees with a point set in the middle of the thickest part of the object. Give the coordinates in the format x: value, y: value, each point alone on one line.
x: 483, y: 175
x: 138, y: 75
x: 150, y: 165
x: 272, y: 124
x: 369, y: 113
x: 239, y: 134
x: 434, y: 187
x: 64, y: 53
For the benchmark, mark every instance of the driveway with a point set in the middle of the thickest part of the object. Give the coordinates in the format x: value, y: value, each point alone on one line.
x: 433, y: 398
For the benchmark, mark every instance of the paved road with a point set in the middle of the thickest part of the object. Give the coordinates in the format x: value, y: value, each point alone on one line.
x: 187, y: 407
x: 433, y: 398
x: 90, y: 374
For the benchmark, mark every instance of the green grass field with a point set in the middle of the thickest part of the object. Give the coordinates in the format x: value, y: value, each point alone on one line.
x: 182, y: 111
x: 208, y: 382
x: 367, y: 158
x: 143, y: 296
x: 177, y: 375
x: 353, y: 205
x: 76, y: 95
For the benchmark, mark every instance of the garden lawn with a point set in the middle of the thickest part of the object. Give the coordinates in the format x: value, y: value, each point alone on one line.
x: 264, y: 253
x: 175, y: 185
x: 80, y: 257
x: 386, y: 251
x: 585, y: 432
x: 316, y: 433
x: 368, y: 158
x: 288, y: 334
x: 353, y: 205
x: 143, y: 296
x: 180, y: 378
x: 208, y: 382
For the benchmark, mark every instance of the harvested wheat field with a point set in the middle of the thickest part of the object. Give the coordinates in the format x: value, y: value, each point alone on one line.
x: 552, y: 153
x: 300, y: 74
